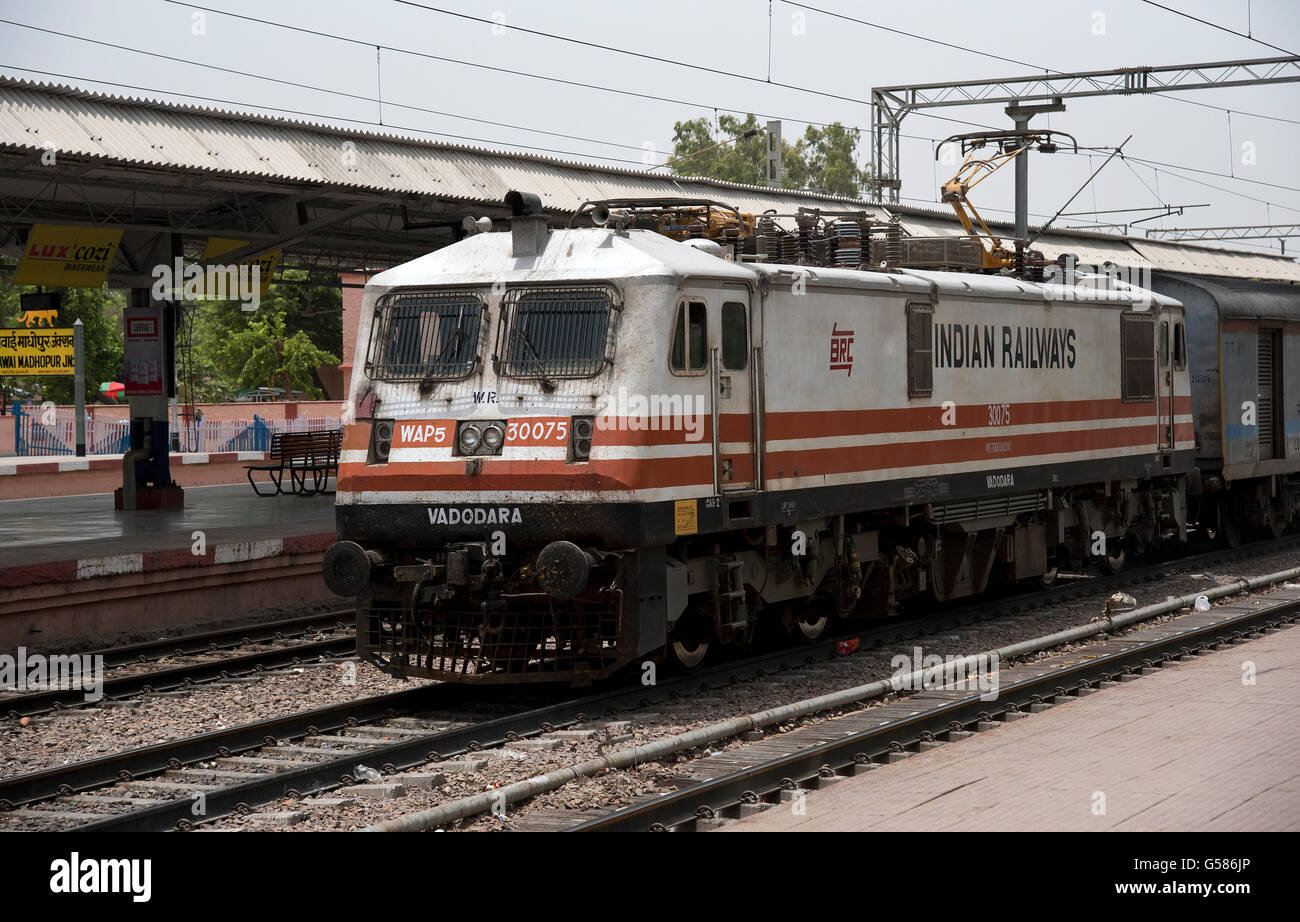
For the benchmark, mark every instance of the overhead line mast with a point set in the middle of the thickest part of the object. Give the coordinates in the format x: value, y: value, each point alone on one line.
x: 1026, y: 96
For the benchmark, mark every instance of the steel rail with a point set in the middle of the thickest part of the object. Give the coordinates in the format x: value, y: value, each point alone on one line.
x: 144, y: 761
x: 709, y: 798
x: 224, y: 638
x: 174, y: 677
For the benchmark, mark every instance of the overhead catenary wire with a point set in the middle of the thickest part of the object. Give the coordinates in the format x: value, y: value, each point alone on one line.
x: 512, y: 72
x: 520, y: 127
x: 1215, y: 25
x: 858, y: 129
x: 1034, y: 67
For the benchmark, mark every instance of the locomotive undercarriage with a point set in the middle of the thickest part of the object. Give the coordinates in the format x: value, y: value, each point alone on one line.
x: 466, y: 615
x: 578, y: 614
x: 1262, y: 506
x: 869, y: 564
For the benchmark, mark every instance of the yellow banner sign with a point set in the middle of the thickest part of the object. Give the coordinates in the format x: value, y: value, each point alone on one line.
x: 77, y: 257
x: 266, y: 263
x: 36, y: 352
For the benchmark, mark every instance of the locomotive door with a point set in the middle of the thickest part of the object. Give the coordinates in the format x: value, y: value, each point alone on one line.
x: 733, y: 392
x: 1165, y: 383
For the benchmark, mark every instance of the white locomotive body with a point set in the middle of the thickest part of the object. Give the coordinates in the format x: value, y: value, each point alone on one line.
x: 579, y: 449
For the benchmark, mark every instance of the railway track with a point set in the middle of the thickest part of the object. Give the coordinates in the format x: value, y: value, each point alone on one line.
x: 213, y: 656
x: 236, y: 769
x: 686, y: 747
x: 786, y: 767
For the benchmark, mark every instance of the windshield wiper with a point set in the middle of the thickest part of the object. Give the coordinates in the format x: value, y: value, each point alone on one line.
x: 457, y: 337
x: 547, y: 383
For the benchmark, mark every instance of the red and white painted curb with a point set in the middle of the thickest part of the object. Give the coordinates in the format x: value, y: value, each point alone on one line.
x: 54, y: 464
x: 67, y: 571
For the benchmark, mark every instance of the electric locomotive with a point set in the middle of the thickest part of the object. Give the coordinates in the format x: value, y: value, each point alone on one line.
x: 670, y: 427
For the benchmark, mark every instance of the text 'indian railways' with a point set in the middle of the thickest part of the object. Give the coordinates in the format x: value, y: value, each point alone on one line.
x: 975, y: 345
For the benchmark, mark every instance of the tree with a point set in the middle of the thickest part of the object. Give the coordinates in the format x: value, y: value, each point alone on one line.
x: 830, y: 157
x: 823, y: 159
x: 303, y: 311
x: 276, y: 359
x: 100, y: 312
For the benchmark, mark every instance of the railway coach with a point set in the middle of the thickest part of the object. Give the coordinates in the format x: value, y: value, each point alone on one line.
x: 1243, y: 350
x: 575, y: 450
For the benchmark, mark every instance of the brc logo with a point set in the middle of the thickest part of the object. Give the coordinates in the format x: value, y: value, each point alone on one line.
x: 841, y: 350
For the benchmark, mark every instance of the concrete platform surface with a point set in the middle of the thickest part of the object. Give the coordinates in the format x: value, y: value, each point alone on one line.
x: 36, y: 531
x: 1189, y: 748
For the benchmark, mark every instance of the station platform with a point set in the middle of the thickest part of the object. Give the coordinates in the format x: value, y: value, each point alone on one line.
x: 1190, y: 748
x: 72, y: 566
x: 32, y: 477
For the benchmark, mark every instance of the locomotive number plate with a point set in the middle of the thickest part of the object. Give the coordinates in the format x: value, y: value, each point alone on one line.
x: 538, y: 430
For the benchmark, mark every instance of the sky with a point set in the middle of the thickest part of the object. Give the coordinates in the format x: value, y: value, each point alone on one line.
x: 395, y: 63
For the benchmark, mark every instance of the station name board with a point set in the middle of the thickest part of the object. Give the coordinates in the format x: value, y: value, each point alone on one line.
x: 37, y: 352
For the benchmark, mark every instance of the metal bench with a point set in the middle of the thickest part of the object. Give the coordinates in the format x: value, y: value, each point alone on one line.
x: 300, y: 454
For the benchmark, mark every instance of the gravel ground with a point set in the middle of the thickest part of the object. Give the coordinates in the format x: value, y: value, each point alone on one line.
x: 614, y: 789
x: 85, y: 733
x: 123, y: 670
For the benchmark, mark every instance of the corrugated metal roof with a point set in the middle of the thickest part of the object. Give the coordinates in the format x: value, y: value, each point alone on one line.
x: 148, y: 133
x: 1202, y: 260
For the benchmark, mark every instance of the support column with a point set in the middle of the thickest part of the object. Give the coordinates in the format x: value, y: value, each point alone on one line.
x: 79, y: 385
x: 1021, y: 116
x: 146, y: 467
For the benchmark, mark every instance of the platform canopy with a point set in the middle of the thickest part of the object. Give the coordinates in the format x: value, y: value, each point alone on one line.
x: 345, y: 200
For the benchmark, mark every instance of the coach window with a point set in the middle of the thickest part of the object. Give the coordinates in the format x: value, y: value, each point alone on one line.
x: 690, y: 339
x: 1138, y: 357
x: 1180, y: 347
x: 735, y: 336
x: 920, y: 350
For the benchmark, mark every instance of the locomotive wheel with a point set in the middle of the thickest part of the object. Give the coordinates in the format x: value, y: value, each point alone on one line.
x: 1048, y: 580
x: 1229, y: 526
x: 1113, y: 563
x: 690, y: 642
x: 810, y: 623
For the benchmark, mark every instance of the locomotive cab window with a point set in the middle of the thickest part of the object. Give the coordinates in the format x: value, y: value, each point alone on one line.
x: 690, y: 339
x: 557, y: 332
x: 735, y: 336
x: 1180, y: 347
x: 418, y: 335
x: 920, y: 350
x: 1164, y: 344
x: 1138, y: 347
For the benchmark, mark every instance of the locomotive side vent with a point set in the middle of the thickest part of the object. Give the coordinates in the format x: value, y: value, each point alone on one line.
x: 993, y: 506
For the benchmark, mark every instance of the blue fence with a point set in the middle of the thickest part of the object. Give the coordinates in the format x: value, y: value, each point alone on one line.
x: 32, y: 437
x: 47, y: 431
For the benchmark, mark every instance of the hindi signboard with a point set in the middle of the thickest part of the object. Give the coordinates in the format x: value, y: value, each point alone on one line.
x: 36, y: 351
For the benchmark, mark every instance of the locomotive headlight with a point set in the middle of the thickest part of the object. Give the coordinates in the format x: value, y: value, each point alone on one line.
x: 381, y: 441
x: 470, y: 439
x: 493, y: 437
x: 580, y: 442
